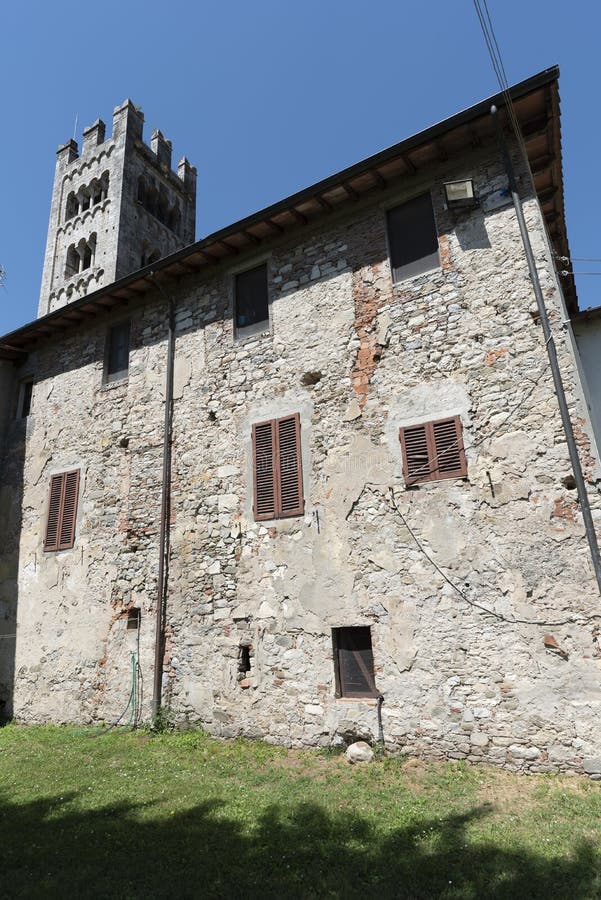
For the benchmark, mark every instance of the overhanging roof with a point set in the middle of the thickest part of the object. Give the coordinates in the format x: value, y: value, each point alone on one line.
x: 536, y: 103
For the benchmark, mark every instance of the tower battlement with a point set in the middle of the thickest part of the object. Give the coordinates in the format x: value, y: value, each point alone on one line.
x: 116, y: 206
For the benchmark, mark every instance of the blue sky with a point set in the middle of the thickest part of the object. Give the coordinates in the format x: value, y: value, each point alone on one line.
x: 269, y: 96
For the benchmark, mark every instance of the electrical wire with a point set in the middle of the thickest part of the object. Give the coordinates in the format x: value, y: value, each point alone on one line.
x: 496, y: 59
x: 509, y: 620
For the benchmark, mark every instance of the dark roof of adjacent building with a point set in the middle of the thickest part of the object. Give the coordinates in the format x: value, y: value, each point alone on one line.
x: 536, y: 104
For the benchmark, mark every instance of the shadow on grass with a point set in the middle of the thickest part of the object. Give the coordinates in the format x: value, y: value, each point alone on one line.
x: 49, y: 850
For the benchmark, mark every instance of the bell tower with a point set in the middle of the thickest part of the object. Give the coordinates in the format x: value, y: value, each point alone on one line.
x: 116, y: 207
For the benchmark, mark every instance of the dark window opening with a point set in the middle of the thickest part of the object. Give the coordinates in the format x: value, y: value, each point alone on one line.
x: 72, y: 263
x: 433, y: 451
x: 251, y: 300
x: 26, y: 392
x: 412, y: 238
x: 72, y: 207
x: 243, y: 659
x: 133, y: 618
x: 117, y: 352
x: 354, y: 662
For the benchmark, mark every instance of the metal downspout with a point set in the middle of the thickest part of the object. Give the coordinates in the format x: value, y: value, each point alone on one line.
x: 552, y: 353
x: 159, y: 645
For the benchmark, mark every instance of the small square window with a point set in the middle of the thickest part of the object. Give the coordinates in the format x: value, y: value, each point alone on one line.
x: 251, y: 301
x: 133, y: 618
x: 412, y: 238
x: 354, y: 662
x: 116, y: 366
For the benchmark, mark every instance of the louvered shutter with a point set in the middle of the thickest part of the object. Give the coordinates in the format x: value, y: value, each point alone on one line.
x: 54, y: 511
x: 416, y: 453
x: 448, y: 446
x: 265, y: 476
x: 62, y: 511
x: 433, y: 451
x: 69, y: 511
x: 277, y: 469
x: 291, y: 501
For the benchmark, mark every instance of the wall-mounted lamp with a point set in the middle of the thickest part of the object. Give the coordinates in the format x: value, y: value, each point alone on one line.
x: 460, y: 194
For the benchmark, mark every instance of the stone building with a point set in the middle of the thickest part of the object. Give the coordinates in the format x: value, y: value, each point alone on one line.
x: 115, y: 207
x: 344, y: 405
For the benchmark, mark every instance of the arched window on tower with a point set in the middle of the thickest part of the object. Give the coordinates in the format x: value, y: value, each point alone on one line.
x: 149, y: 254
x: 72, y: 263
x: 104, y: 185
x: 141, y: 190
x: 96, y: 191
x: 84, y: 199
x: 72, y: 206
x: 151, y: 199
x: 163, y: 206
x: 176, y: 218
x: 88, y: 250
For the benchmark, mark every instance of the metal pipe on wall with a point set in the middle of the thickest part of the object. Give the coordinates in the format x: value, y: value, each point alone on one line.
x: 159, y: 646
x: 552, y: 354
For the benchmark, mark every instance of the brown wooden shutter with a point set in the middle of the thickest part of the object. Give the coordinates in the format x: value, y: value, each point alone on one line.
x: 264, y: 470
x: 69, y: 511
x: 448, y: 443
x: 62, y: 511
x: 433, y: 451
x: 290, y: 467
x: 416, y: 453
x: 54, y: 509
x: 277, y: 469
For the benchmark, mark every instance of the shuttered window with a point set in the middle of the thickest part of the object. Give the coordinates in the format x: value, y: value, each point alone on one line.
x: 433, y: 450
x: 62, y: 511
x: 278, y: 475
x: 117, y: 352
x: 354, y: 662
x: 412, y: 238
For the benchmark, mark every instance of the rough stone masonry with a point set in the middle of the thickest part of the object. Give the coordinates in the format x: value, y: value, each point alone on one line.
x: 462, y: 582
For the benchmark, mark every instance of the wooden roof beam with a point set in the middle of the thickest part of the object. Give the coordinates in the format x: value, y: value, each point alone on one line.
x: 547, y: 194
x: 274, y: 225
x: 210, y: 257
x: 229, y: 247
x: 541, y: 163
x: 323, y: 203
x: 298, y: 215
x: 251, y: 237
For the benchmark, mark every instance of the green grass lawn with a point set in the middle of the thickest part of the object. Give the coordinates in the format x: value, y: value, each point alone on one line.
x: 182, y: 815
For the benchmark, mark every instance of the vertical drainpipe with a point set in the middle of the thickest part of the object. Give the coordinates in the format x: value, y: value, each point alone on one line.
x: 159, y: 643
x: 589, y: 526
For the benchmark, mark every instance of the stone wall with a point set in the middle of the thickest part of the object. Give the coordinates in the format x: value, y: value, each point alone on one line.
x: 461, y: 581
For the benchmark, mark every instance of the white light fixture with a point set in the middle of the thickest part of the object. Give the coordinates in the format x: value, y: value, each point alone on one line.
x: 460, y: 194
